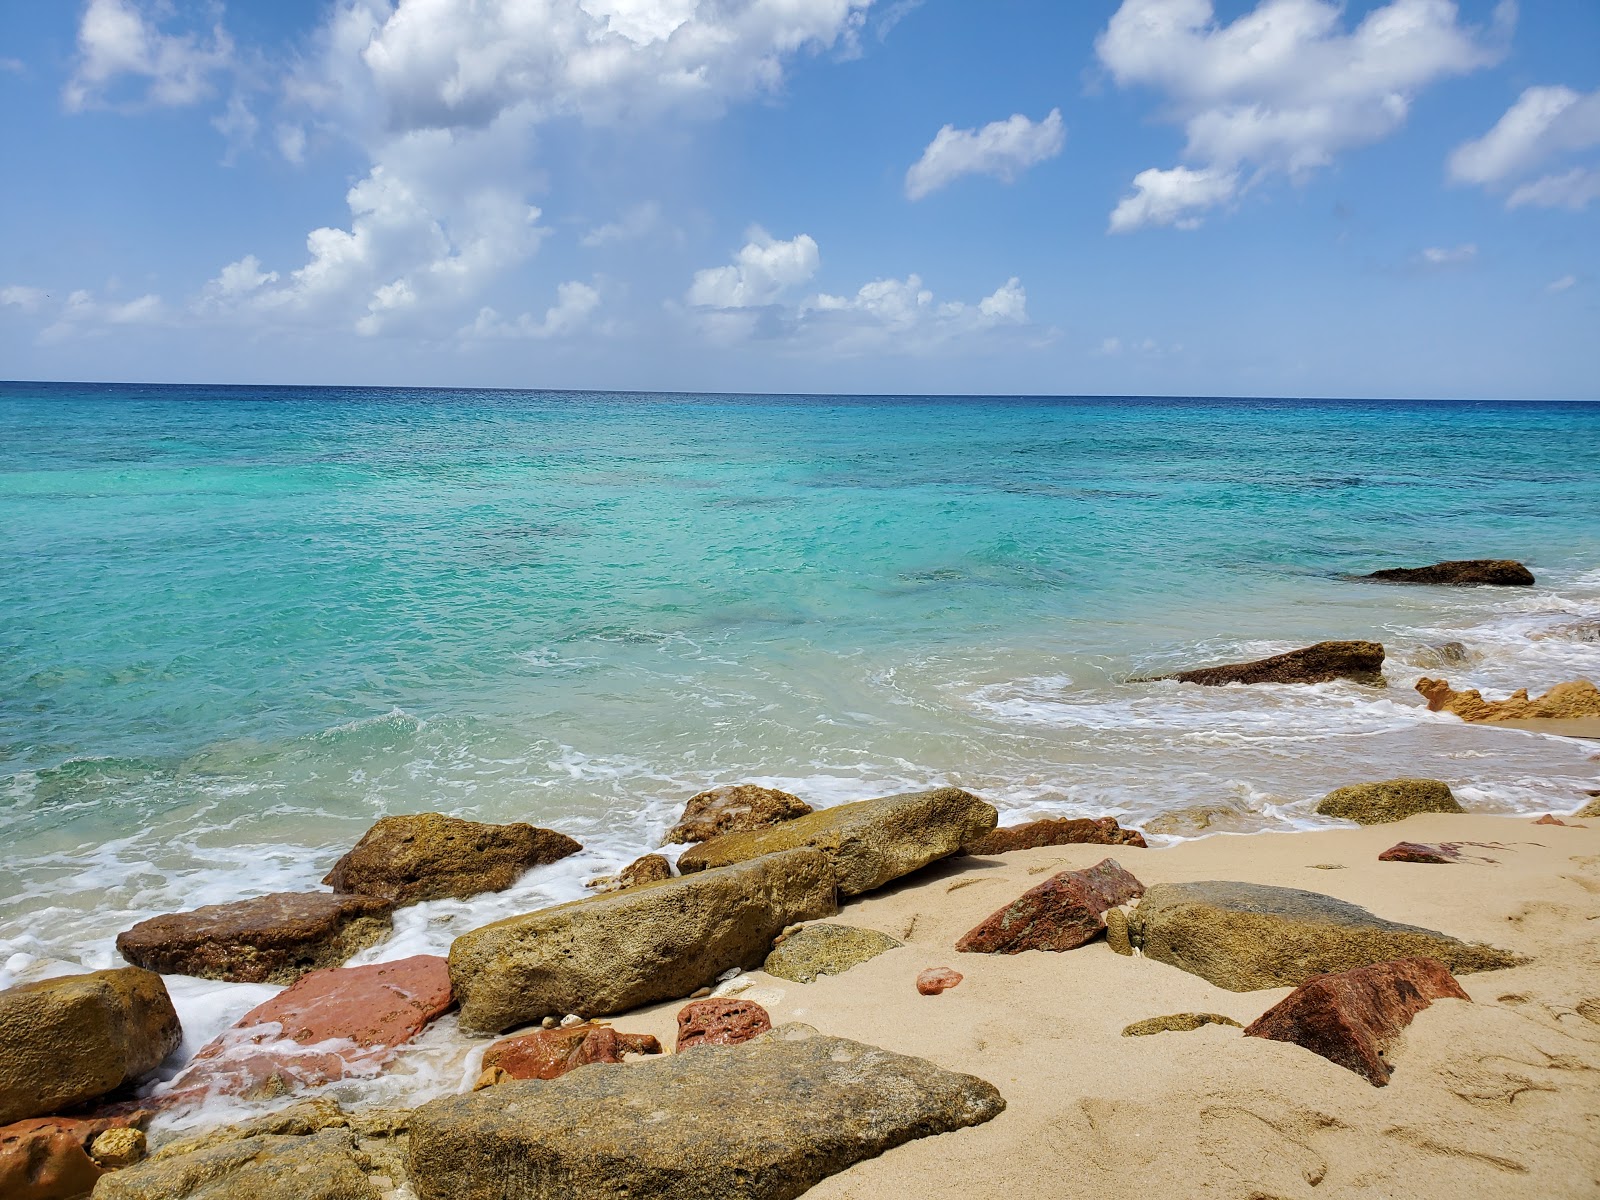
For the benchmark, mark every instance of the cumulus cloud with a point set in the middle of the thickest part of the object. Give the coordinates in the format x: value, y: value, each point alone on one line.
x: 1281, y: 90
x: 118, y: 41
x: 1446, y: 256
x: 1575, y: 189
x: 1544, y: 126
x: 761, y: 273
x: 639, y: 221
x: 575, y: 304
x: 28, y: 299
x: 83, y: 312
x: 1003, y: 149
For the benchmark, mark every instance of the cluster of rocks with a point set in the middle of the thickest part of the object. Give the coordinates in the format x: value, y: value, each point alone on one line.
x: 1564, y: 702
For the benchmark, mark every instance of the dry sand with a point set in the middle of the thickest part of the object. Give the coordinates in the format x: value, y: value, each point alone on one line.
x: 1500, y: 1097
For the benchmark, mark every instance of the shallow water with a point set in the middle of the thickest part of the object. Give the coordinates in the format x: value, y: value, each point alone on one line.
x: 243, y: 623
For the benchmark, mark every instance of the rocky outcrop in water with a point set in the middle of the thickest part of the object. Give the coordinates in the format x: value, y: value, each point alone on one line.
x: 1499, y: 572
x: 1324, y: 662
x: 1390, y: 800
x: 1062, y: 913
x: 652, y: 868
x: 824, y: 950
x: 1056, y: 831
x: 430, y: 856
x: 1565, y: 701
x: 73, y: 1039
x: 738, y: 808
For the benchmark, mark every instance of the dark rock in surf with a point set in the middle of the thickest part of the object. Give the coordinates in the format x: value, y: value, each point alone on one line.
x: 1361, y: 662
x: 1495, y: 572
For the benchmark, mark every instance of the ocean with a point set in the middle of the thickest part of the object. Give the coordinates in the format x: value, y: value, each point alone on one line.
x: 242, y: 623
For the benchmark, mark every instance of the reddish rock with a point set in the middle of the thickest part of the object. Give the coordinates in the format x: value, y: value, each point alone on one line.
x: 1351, y: 1018
x: 720, y: 1021
x: 735, y: 809
x: 550, y: 1053
x: 1063, y: 912
x: 1422, y: 852
x: 1056, y: 831
x: 938, y: 979
x: 276, y: 1047
x: 48, y: 1158
x: 1552, y: 819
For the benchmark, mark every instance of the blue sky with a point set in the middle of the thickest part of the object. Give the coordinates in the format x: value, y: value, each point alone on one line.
x: 1181, y: 197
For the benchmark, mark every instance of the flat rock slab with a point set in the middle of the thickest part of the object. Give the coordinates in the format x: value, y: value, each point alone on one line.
x: 1062, y: 913
x: 1461, y: 572
x: 320, y: 1166
x: 763, y: 1121
x: 1056, y: 831
x: 1353, y: 1017
x: 1246, y: 936
x: 825, y: 950
x: 869, y: 843
x: 70, y: 1040
x: 738, y: 808
x: 551, y: 1053
x: 1321, y: 663
x: 1389, y: 800
x: 1177, y: 1023
x: 48, y: 1158
x: 270, y: 939
x: 658, y: 941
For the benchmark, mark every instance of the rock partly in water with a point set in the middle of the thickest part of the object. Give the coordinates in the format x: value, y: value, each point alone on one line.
x: 430, y: 856
x: 1321, y: 663
x: 1500, y: 572
x: 270, y: 939
x: 720, y: 1021
x: 1423, y: 852
x: 1056, y: 831
x: 1390, y: 800
x: 1062, y: 913
x: 1353, y: 1017
x: 936, y: 980
x: 1591, y: 809
x: 72, y: 1039
x: 652, y: 868
x: 659, y: 941
x: 825, y: 950
x: 1564, y: 702
x: 1177, y: 1023
x: 869, y: 843
x: 763, y: 1121
x: 50, y: 1158
x: 1245, y: 936
x: 551, y: 1053
x: 738, y: 808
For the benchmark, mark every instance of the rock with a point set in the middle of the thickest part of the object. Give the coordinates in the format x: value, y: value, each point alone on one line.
x: 659, y: 941
x: 321, y: 1166
x: 1056, y: 831
x: 117, y: 1147
x: 1391, y: 800
x: 1422, y: 852
x: 1353, y: 1017
x: 1237, y: 816
x: 1177, y: 1023
x: 1591, y: 809
x: 430, y: 856
x: 282, y: 1046
x: 1501, y: 572
x: 72, y: 1039
x: 652, y: 868
x: 1565, y: 701
x: 1552, y: 819
x: 763, y: 1121
x: 869, y: 843
x: 1117, y: 936
x: 271, y: 939
x: 1443, y: 654
x: 1245, y: 936
x: 935, y: 980
x: 49, y: 1158
x: 721, y: 1021
x: 1062, y: 913
x: 825, y: 950
x: 550, y: 1053
x: 739, y: 808
x: 1325, y: 661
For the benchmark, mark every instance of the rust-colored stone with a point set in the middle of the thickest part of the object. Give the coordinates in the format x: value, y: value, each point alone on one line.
x: 1422, y: 852
x: 1056, y: 831
x: 550, y: 1053
x: 1351, y: 1018
x: 48, y: 1158
x: 938, y: 979
x: 720, y: 1021
x: 1552, y: 819
x: 1063, y: 912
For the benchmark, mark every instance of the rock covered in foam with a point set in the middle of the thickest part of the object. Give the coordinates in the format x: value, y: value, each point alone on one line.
x: 1389, y: 800
x: 737, y: 808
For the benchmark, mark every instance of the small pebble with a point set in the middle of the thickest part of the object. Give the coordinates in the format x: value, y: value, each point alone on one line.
x: 571, y: 1019
x: 730, y: 973
x: 700, y: 993
x: 549, y: 1023
x: 114, y: 1148
x: 937, y: 979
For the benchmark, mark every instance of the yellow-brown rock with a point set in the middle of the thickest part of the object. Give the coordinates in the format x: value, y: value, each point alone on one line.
x: 737, y: 808
x: 1565, y: 701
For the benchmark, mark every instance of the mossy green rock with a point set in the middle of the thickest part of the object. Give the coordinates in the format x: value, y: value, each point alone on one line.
x: 1391, y: 800
x: 825, y: 950
x: 1245, y: 936
x: 1177, y: 1023
x: 657, y: 941
x: 870, y: 843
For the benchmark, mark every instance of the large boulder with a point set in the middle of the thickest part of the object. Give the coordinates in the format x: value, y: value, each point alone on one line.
x: 69, y: 1040
x: 1062, y: 913
x: 870, y: 842
x: 430, y: 856
x: 1564, y: 702
x: 765, y: 1120
x: 1321, y: 663
x: 1056, y: 831
x: 1353, y: 1017
x: 1390, y: 800
x: 51, y: 1158
x: 738, y: 808
x: 1245, y: 936
x: 1502, y: 572
x: 658, y: 941
x: 270, y: 939
x: 825, y: 950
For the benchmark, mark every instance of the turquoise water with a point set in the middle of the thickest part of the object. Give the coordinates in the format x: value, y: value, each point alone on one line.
x: 242, y: 623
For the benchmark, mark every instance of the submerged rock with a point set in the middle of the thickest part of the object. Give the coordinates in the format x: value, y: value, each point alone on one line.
x: 825, y: 950
x: 50, y: 1158
x: 1062, y: 913
x: 1565, y: 701
x: 270, y: 939
x: 1177, y: 1023
x: 766, y: 1120
x: 66, y: 1041
x: 1056, y: 831
x: 430, y: 856
x: 1351, y: 1018
x: 1245, y: 936
x: 659, y: 941
x: 738, y: 808
x: 551, y: 1053
x: 1391, y: 800
x: 720, y: 1021
x: 868, y: 843
x: 1500, y: 572
x: 652, y: 868
x: 1321, y: 663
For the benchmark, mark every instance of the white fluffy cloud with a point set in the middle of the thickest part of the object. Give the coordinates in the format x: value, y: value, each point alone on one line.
x: 28, y: 299
x: 1543, y: 126
x: 1003, y: 149
x: 760, y: 274
x: 117, y: 40
x: 1448, y: 256
x: 1282, y: 89
x: 575, y: 304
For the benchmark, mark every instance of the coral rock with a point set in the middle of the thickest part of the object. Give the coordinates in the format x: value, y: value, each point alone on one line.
x: 1056, y: 831
x: 550, y: 1053
x: 720, y: 1021
x: 1063, y: 912
x: 1564, y: 702
x: 938, y: 979
x: 738, y: 808
x: 824, y: 950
